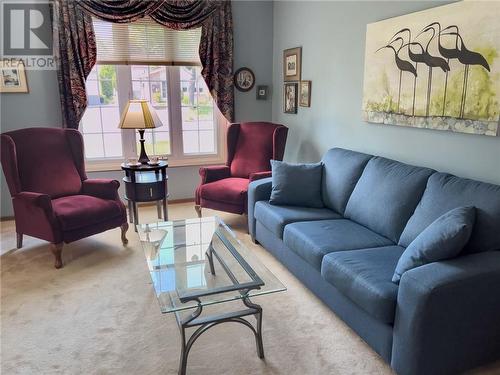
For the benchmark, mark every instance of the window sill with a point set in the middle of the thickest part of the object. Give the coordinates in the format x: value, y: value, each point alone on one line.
x: 115, y: 165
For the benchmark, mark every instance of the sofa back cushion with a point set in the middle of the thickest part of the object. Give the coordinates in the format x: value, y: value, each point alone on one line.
x: 386, y: 196
x: 445, y: 192
x: 254, y: 148
x: 341, y: 171
x: 46, y: 160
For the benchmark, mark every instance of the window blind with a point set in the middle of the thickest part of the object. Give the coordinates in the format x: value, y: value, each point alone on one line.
x: 145, y: 42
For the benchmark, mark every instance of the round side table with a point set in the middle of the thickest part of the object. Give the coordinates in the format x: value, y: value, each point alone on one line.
x: 146, y: 183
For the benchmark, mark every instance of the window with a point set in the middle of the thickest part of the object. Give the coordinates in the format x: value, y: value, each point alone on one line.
x: 100, y: 122
x: 144, y: 60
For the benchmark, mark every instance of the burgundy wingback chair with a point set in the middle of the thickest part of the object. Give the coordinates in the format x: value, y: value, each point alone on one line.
x: 250, y: 147
x: 53, y: 199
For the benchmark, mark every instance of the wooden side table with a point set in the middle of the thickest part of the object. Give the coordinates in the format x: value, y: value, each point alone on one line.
x: 146, y: 183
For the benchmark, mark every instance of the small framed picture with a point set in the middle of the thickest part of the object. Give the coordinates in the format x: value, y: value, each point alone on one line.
x: 262, y: 92
x: 13, y: 77
x: 292, y: 64
x: 290, y: 97
x: 244, y: 79
x: 305, y: 94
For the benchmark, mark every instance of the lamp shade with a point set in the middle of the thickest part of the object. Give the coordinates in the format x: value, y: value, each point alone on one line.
x: 139, y: 114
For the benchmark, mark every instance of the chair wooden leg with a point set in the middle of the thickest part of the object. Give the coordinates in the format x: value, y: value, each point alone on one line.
x: 197, y: 207
x: 124, y: 228
x: 57, y: 251
x: 19, y: 238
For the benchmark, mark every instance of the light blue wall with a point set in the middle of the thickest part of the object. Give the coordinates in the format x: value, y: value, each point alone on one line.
x: 253, y: 48
x: 332, y: 36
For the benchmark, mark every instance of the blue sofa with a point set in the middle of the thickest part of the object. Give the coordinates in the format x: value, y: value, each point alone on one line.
x: 443, y: 317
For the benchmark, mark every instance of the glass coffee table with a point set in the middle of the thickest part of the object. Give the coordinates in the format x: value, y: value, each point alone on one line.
x: 195, y: 263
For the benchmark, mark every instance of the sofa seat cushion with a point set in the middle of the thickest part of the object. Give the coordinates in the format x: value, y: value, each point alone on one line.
x: 312, y: 240
x: 78, y: 211
x: 231, y: 190
x: 275, y: 218
x: 364, y: 276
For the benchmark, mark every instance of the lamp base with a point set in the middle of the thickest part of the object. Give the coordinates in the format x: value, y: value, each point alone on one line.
x: 143, y: 157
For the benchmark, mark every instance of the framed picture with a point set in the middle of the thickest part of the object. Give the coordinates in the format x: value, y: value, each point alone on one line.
x: 13, y: 77
x: 305, y: 94
x: 262, y: 92
x: 244, y: 79
x: 290, y: 97
x: 292, y: 64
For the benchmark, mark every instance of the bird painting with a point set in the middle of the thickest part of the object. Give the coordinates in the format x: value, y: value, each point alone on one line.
x: 440, y: 71
x: 403, y: 65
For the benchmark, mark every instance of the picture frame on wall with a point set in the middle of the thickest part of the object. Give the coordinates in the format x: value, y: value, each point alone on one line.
x: 13, y: 77
x: 305, y: 94
x: 292, y: 64
x: 290, y: 94
x: 262, y: 92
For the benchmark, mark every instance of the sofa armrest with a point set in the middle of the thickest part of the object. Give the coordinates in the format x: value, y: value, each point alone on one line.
x: 214, y: 173
x: 35, y: 217
x: 259, y: 175
x: 448, y: 316
x: 259, y: 190
x: 101, y: 188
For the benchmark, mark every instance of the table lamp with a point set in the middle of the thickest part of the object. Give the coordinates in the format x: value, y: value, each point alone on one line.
x: 140, y: 115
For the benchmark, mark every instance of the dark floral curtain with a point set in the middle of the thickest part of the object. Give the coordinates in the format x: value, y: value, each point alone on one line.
x: 75, y: 52
x: 76, y: 47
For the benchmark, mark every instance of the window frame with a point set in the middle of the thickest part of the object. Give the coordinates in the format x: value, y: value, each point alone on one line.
x: 176, y: 158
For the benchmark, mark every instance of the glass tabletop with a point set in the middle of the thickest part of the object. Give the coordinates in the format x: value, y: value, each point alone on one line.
x: 200, y: 261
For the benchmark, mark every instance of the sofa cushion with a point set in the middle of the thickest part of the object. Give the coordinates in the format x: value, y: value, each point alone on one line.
x: 231, y: 190
x: 341, y: 171
x: 364, y: 276
x: 275, y: 218
x: 313, y: 239
x: 445, y: 192
x: 296, y: 184
x: 386, y: 196
x: 443, y: 239
x: 78, y: 211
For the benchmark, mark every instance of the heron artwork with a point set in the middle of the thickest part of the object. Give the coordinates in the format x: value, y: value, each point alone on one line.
x: 436, y: 69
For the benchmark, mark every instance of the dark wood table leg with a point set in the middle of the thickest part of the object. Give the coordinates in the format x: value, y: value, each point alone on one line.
x: 130, y: 212
x: 136, y: 216
x: 158, y: 209
x: 165, y: 209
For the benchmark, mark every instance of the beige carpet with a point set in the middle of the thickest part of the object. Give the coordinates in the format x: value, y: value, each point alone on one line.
x: 98, y: 315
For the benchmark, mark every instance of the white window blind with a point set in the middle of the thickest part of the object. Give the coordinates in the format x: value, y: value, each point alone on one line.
x: 145, y: 42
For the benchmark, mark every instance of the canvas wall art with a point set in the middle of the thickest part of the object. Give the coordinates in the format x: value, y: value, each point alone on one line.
x: 436, y: 69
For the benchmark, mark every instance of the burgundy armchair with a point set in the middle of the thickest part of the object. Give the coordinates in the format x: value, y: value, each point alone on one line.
x: 250, y: 147
x: 52, y: 198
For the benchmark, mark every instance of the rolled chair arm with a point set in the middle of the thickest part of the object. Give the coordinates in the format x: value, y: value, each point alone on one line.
x: 214, y: 173
x: 101, y: 188
x: 448, y: 316
x: 38, y: 200
x: 259, y: 175
x: 259, y: 190
x: 35, y: 217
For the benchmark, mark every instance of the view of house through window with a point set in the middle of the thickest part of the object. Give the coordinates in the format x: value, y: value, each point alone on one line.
x: 177, y: 93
